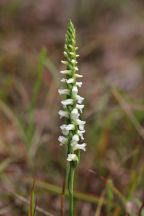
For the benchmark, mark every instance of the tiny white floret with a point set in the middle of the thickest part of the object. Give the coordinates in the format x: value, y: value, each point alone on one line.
x: 72, y: 157
x: 65, y: 53
x: 74, y: 114
x: 63, y: 113
x: 63, y: 140
x: 80, y: 147
x: 71, y: 80
x: 75, y: 138
x: 79, y: 99
x: 64, y: 62
x: 74, y: 61
x: 80, y: 124
x: 80, y: 133
x: 80, y: 107
x: 76, y: 68
x: 66, y: 128
x: 65, y: 72
x: 74, y: 90
x: 67, y: 102
x: 79, y: 84
x: 63, y: 91
x: 78, y: 75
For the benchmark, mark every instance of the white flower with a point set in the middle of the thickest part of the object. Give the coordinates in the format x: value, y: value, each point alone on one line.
x: 80, y: 133
x: 63, y: 140
x: 80, y: 147
x: 75, y: 138
x: 67, y: 102
x: 71, y: 80
x: 65, y: 53
x: 78, y: 75
x: 74, y: 114
x: 79, y: 84
x: 80, y: 124
x: 70, y: 127
x: 76, y: 68
x: 63, y: 113
x: 66, y: 128
x: 65, y: 72
x: 72, y: 157
x: 74, y: 61
x: 74, y: 90
x: 79, y: 99
x: 64, y: 62
x: 80, y: 107
x: 63, y: 91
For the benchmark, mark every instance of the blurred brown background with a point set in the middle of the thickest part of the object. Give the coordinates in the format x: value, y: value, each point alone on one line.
x: 110, y: 37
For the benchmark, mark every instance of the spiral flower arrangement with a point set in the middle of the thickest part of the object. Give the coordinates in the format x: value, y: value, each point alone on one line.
x: 73, y: 129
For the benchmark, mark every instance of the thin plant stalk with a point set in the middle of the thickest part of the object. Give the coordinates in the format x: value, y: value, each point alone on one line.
x: 70, y: 188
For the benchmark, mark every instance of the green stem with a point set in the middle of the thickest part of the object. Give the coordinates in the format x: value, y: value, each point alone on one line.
x: 70, y: 187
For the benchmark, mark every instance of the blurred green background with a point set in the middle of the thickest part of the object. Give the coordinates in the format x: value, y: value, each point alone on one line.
x: 110, y: 37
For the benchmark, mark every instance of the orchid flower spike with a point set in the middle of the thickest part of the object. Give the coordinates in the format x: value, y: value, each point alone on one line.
x: 72, y: 102
x: 72, y: 107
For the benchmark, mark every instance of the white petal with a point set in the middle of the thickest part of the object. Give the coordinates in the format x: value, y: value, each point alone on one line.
x: 64, y: 62
x: 74, y: 143
x: 79, y: 99
x: 74, y: 61
x: 80, y: 133
x: 66, y: 128
x: 81, y: 124
x: 80, y: 107
x: 65, y: 72
x: 74, y: 114
x: 71, y: 80
x: 67, y: 102
x: 70, y: 127
x: 76, y: 68
x: 63, y: 140
x: 78, y: 75
x: 63, y: 113
x: 72, y: 157
x: 79, y: 84
x: 75, y: 138
x: 80, y: 147
x: 74, y: 90
x: 63, y: 91
x: 65, y: 53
